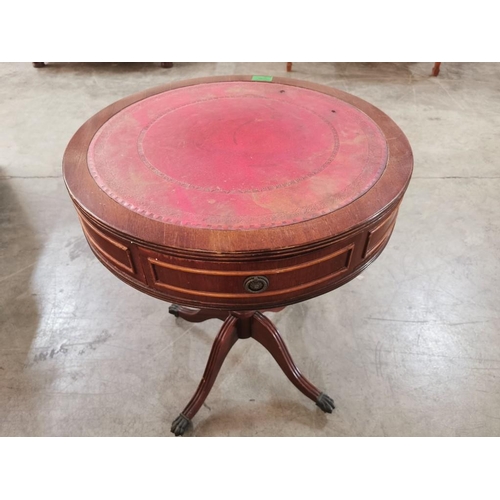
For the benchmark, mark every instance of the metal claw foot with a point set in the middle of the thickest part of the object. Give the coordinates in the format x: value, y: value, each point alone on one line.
x: 325, y: 403
x: 174, y: 309
x: 179, y: 425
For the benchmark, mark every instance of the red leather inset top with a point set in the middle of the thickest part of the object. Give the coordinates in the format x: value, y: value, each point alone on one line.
x: 237, y: 155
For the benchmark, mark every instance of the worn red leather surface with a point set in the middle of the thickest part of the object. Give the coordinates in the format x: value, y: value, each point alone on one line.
x: 237, y: 155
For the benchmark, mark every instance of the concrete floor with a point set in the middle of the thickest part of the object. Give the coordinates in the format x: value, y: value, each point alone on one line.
x: 409, y: 348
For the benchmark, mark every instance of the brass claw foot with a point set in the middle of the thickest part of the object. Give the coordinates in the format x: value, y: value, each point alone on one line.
x: 174, y: 309
x: 179, y: 425
x: 325, y: 403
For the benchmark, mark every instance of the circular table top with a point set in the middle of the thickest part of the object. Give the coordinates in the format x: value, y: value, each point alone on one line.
x: 221, y: 164
x: 237, y: 155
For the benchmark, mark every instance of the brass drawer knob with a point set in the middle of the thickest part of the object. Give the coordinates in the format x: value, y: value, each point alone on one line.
x: 256, y: 284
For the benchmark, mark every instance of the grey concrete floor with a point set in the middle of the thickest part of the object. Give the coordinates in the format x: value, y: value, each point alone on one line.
x: 409, y: 348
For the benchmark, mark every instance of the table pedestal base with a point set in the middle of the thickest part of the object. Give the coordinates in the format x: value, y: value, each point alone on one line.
x: 241, y: 325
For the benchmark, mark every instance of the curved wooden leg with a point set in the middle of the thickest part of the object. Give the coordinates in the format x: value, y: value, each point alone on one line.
x: 225, y: 339
x: 196, y: 315
x: 264, y: 332
x: 289, y: 66
x: 435, y: 69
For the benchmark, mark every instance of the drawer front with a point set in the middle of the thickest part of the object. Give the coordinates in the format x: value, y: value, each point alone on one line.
x: 111, y: 249
x: 255, y: 281
x: 379, y: 235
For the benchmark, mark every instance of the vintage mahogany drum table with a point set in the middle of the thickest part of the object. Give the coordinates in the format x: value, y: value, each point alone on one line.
x: 232, y: 196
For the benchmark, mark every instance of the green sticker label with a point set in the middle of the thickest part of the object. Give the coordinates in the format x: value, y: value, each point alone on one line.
x: 259, y: 78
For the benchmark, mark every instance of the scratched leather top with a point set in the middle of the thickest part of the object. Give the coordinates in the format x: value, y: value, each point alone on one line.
x: 237, y: 155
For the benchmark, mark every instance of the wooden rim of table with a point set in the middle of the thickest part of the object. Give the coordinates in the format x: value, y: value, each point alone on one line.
x: 98, y: 206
